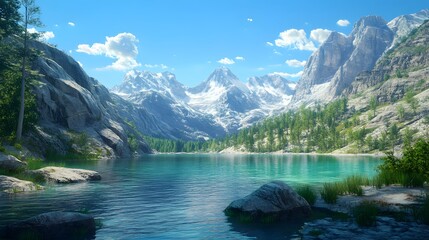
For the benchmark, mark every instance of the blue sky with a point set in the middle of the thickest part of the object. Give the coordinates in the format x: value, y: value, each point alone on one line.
x: 191, y: 38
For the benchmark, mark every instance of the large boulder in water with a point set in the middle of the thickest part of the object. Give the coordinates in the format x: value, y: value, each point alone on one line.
x: 64, y: 175
x: 273, y: 201
x: 52, y: 225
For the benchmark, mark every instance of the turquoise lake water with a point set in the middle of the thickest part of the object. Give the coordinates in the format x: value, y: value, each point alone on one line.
x: 181, y: 196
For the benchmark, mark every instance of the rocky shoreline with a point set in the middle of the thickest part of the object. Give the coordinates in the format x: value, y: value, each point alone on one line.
x: 385, y: 228
x: 14, y: 169
x: 396, y: 221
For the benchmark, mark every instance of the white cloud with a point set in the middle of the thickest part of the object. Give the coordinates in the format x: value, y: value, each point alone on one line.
x: 343, y: 22
x: 287, y: 75
x: 260, y: 69
x: 250, y: 19
x: 295, y: 63
x: 320, y: 35
x: 43, y: 36
x: 226, y: 61
x: 296, y: 39
x: 240, y: 58
x: 122, y: 48
x: 269, y: 44
x: 156, y: 66
x: 71, y: 24
x: 277, y: 52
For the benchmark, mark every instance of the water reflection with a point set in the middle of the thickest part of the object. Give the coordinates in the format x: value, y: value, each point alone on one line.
x: 180, y: 196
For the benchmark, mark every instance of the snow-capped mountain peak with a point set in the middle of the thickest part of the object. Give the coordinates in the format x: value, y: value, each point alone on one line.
x: 141, y: 81
x: 221, y: 77
x: 404, y: 24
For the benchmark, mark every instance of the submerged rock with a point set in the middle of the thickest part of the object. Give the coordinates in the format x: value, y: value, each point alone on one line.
x: 15, y: 185
x: 64, y: 175
x: 272, y: 202
x: 11, y: 164
x: 52, y: 225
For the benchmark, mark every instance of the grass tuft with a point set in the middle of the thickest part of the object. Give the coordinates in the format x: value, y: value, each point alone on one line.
x: 330, y: 192
x: 307, y: 193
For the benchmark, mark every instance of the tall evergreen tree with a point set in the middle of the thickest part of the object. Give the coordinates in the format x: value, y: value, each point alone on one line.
x: 31, y: 18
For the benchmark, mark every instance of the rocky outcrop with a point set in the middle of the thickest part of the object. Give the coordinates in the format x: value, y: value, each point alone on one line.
x: 10, y: 163
x: 272, y: 202
x: 14, y: 185
x: 52, y: 225
x: 64, y: 175
x: 70, y: 103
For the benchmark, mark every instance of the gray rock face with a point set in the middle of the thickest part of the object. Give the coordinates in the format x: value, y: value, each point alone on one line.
x: 53, y: 225
x: 11, y: 163
x: 14, y: 185
x: 410, y: 56
x: 324, y: 63
x: 69, y: 101
x: 274, y: 201
x: 64, y: 175
x: 371, y: 37
x: 334, y: 66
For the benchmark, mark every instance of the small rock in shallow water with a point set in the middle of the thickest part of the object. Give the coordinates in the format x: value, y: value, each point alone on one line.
x: 15, y: 185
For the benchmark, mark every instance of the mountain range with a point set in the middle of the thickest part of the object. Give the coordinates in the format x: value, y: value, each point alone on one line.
x: 223, y: 103
x: 74, y: 106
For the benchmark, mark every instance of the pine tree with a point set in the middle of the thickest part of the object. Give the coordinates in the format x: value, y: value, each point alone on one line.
x: 31, y: 18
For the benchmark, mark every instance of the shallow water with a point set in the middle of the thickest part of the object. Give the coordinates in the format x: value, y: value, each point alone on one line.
x: 181, y: 196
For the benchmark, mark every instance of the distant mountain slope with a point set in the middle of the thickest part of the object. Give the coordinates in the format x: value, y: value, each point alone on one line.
x: 221, y: 104
x: 383, y: 110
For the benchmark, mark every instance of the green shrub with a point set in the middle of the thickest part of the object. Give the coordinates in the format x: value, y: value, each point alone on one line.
x: 412, y: 170
x: 389, y: 177
x: 365, y: 214
x: 307, y: 193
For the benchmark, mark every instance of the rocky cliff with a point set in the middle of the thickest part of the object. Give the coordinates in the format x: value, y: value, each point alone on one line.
x: 337, y: 62
x: 404, y: 65
x: 77, y: 113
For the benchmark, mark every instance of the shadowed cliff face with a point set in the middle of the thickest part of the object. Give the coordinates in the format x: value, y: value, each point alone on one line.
x: 71, y: 104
